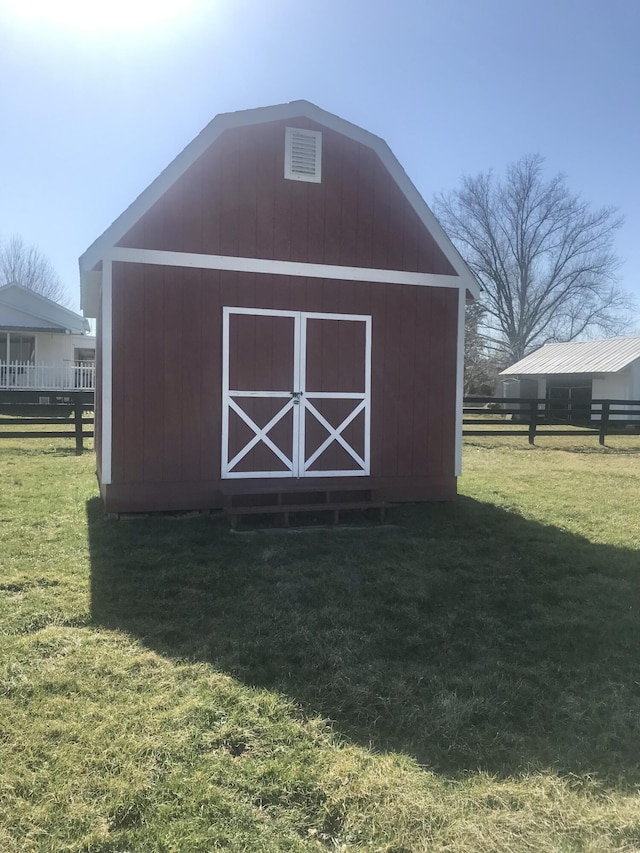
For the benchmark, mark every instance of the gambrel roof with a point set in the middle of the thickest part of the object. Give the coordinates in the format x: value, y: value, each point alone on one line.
x: 610, y: 355
x: 91, y: 259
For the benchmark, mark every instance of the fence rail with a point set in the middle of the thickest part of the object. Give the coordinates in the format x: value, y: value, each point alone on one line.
x: 48, y: 376
x: 22, y: 408
x: 538, y: 417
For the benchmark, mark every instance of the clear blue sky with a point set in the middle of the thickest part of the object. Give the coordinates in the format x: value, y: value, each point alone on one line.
x: 91, y: 114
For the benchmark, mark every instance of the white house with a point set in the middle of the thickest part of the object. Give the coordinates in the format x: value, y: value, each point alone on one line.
x: 42, y: 344
x: 577, y: 372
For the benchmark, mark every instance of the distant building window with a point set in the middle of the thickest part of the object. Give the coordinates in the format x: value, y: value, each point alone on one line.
x: 16, y: 347
x: 303, y: 155
x: 84, y: 354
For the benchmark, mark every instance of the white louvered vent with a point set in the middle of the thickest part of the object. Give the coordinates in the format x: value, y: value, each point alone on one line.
x: 303, y: 155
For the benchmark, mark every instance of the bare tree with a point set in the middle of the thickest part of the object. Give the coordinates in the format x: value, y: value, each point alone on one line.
x: 544, y: 258
x: 27, y: 265
x: 480, y: 366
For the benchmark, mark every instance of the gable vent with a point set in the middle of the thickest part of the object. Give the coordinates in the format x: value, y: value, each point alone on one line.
x: 302, y: 157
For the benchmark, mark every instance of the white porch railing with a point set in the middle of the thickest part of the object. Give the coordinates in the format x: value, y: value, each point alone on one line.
x: 44, y: 376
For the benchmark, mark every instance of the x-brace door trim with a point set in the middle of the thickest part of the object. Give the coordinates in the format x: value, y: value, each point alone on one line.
x: 301, y: 401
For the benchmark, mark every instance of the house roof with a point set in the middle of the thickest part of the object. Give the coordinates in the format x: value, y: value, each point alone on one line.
x: 91, y: 259
x: 602, y: 356
x: 23, y: 308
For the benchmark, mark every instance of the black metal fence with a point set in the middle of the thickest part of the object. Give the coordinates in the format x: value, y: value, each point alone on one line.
x: 533, y: 417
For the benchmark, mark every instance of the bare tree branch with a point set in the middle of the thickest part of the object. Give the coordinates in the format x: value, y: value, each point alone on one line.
x: 27, y: 265
x: 544, y: 258
x: 480, y: 364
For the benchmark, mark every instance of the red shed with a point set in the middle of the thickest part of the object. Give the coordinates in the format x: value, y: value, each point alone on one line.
x: 279, y: 311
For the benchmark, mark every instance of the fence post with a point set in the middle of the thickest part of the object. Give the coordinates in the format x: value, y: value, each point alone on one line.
x: 78, y: 411
x: 604, y: 422
x: 533, y: 416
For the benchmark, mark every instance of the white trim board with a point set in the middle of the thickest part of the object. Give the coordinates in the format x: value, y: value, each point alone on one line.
x: 107, y: 375
x: 459, y: 385
x: 267, y: 266
x: 296, y: 109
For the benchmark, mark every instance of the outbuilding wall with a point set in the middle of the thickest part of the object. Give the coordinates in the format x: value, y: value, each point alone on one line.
x: 167, y: 372
x: 617, y: 386
x: 634, y: 368
x: 614, y: 386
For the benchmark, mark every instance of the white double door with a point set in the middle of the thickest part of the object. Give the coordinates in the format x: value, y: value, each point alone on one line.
x: 296, y: 389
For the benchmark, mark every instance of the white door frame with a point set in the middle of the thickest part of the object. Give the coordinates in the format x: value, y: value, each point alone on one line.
x: 298, y: 399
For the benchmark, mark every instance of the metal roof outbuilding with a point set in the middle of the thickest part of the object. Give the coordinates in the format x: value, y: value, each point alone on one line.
x: 601, y: 356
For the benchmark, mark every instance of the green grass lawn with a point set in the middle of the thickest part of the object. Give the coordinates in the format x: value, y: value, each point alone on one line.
x: 464, y: 678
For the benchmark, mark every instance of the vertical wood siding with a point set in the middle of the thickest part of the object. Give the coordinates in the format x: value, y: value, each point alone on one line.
x: 167, y: 346
x: 235, y: 201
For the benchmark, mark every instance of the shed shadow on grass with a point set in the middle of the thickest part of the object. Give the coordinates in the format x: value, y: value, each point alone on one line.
x: 465, y: 635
